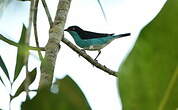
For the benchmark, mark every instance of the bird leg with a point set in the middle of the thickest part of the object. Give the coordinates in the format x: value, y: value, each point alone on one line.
x: 99, y: 51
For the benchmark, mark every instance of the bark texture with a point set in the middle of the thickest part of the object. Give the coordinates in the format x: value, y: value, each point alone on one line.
x: 52, y: 47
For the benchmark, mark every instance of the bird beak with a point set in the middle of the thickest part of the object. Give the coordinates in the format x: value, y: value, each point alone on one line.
x: 65, y: 29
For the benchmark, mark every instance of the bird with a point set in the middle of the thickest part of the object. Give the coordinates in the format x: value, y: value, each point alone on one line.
x: 92, y: 41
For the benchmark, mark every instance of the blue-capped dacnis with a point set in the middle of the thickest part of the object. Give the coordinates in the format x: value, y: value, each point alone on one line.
x: 90, y: 40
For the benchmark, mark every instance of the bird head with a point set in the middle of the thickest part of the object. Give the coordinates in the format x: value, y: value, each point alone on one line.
x: 73, y: 28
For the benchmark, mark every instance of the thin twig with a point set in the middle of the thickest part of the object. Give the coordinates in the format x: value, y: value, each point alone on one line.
x: 27, y: 40
x: 88, y: 58
x: 102, y: 10
x: 35, y: 28
x: 10, y: 42
x: 47, y: 12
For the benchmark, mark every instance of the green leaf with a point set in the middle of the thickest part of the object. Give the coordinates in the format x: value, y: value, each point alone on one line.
x: 22, y: 53
x: 4, y: 68
x: 32, y: 76
x: 69, y: 97
x: 149, y: 76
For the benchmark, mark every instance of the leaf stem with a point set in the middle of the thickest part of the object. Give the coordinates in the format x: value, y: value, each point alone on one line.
x: 168, y: 90
x: 10, y: 42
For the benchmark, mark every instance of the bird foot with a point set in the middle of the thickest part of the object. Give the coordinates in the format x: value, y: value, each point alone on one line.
x: 104, y: 66
x: 96, y: 59
x: 83, y: 51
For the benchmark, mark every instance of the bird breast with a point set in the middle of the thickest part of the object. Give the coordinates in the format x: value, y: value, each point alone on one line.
x: 95, y: 47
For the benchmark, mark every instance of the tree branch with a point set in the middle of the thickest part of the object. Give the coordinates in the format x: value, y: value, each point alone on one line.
x: 10, y: 42
x: 88, y: 58
x: 52, y: 47
x: 35, y: 28
x: 47, y: 12
x: 27, y: 40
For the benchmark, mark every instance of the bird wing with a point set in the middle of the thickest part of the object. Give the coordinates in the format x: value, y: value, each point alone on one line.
x: 91, y: 35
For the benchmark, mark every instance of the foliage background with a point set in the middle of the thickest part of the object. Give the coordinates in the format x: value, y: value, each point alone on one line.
x: 122, y: 24
x: 149, y: 76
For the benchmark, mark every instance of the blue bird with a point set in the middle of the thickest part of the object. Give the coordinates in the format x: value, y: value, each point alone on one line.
x: 91, y: 40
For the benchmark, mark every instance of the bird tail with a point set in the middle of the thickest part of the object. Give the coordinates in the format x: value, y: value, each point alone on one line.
x: 122, y: 35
